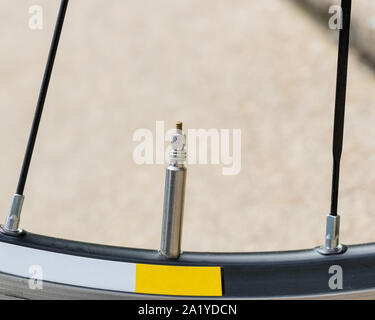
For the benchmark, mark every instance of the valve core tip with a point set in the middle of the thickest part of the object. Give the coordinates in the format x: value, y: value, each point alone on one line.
x: 179, y: 125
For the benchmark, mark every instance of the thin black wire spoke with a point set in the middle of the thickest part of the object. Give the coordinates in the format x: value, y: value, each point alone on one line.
x: 42, y: 97
x: 338, y: 131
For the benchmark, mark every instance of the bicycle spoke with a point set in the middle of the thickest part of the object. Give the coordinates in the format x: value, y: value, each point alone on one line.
x: 338, y: 131
x: 332, y: 245
x: 12, y: 222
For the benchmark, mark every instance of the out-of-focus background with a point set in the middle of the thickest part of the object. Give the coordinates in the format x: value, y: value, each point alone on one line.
x: 265, y: 67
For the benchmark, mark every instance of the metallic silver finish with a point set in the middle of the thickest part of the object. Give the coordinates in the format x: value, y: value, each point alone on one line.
x: 173, y: 211
x: 177, y: 155
x: 332, y: 232
x: 332, y: 245
x: 11, y: 226
x: 174, y: 196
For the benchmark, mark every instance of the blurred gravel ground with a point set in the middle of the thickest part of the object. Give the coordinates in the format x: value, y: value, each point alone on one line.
x: 263, y: 66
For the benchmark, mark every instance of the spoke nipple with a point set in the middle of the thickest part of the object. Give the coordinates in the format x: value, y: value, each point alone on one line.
x: 11, y: 225
x: 332, y: 244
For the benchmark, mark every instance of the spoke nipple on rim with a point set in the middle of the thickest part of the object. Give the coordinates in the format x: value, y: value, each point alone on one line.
x: 11, y: 225
x: 332, y: 245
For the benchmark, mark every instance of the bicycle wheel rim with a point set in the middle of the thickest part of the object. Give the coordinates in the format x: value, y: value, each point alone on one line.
x: 287, y: 274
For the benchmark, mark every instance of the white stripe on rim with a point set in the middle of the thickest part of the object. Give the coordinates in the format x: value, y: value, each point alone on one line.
x: 67, y: 269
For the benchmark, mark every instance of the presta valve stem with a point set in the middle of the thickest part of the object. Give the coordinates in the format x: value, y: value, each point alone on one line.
x: 174, y: 196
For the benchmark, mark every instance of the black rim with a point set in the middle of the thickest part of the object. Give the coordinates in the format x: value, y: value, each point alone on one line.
x: 253, y: 275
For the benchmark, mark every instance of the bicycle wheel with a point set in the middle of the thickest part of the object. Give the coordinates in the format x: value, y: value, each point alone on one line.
x: 73, y: 269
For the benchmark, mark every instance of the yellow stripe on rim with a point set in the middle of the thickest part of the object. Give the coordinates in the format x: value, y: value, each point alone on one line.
x: 178, y: 280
